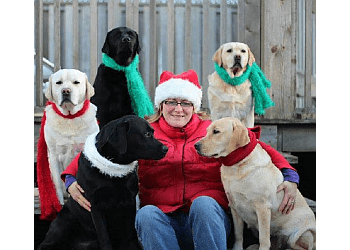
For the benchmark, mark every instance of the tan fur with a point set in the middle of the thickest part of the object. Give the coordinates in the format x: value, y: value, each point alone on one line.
x: 226, y: 100
x: 251, y: 187
x: 65, y: 137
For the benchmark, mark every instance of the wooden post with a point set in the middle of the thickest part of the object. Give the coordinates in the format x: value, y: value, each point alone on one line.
x: 223, y: 22
x: 153, y: 48
x: 76, y: 34
x: 39, y: 99
x: 57, y: 30
x: 276, y: 56
x: 188, y: 36
x: 171, y: 36
x: 205, y: 53
x: 93, y: 40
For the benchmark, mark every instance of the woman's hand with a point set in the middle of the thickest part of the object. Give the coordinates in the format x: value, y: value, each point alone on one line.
x: 76, y: 192
x: 290, y: 192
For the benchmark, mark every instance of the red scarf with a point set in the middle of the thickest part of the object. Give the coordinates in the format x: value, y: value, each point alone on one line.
x: 49, y: 203
x: 241, y: 153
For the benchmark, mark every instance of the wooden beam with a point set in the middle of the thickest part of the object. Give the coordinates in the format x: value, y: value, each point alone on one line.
x: 93, y: 40
x: 171, y: 36
x: 76, y: 34
x: 57, y: 30
x: 188, y: 35
x: 153, y: 47
x: 39, y: 99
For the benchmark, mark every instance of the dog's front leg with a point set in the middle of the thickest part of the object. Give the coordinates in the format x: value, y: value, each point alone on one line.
x: 238, y: 230
x: 264, y: 218
x: 101, y: 229
x: 56, y: 170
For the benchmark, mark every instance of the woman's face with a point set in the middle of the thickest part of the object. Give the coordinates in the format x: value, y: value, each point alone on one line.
x: 177, y: 115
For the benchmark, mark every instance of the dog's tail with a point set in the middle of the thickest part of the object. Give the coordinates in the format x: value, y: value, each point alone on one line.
x: 49, y: 204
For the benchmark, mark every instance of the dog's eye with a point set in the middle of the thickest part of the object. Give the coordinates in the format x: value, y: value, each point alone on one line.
x: 59, y: 82
x: 76, y: 82
x: 148, y: 134
x: 215, y: 131
x: 243, y: 50
x: 229, y: 51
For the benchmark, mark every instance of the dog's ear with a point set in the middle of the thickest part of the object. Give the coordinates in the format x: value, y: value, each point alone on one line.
x: 251, y: 58
x: 138, y: 47
x: 90, y: 91
x: 217, y: 57
x: 115, y: 136
x: 105, y: 48
x: 48, y: 92
x: 240, y: 136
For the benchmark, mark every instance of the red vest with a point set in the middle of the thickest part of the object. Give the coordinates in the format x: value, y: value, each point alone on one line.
x: 173, y: 182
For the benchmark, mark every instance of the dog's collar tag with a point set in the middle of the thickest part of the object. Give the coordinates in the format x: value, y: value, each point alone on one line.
x: 104, y: 165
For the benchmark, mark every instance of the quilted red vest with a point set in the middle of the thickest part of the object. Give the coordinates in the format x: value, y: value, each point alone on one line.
x: 173, y: 182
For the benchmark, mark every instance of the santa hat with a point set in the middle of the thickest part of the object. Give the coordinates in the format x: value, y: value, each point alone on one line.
x: 184, y: 86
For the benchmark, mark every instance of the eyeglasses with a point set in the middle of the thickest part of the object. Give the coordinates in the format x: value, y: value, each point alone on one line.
x: 183, y: 104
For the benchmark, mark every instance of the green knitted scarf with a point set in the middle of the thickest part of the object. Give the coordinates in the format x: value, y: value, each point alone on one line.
x: 140, y: 100
x: 259, y: 83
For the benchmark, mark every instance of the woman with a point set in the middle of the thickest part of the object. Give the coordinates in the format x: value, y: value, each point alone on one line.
x: 183, y: 203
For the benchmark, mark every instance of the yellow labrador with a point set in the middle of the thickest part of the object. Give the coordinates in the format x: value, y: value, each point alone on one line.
x: 251, y: 186
x: 226, y: 100
x: 65, y: 134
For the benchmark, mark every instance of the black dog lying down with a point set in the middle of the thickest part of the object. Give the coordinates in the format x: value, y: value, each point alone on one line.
x: 107, y: 175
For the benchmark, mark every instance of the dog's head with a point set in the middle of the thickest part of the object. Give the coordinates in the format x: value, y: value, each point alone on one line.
x: 122, y: 45
x: 223, y: 137
x: 68, y: 89
x: 128, y: 139
x: 234, y: 57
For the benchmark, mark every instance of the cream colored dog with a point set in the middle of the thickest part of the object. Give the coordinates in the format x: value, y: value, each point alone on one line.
x: 65, y: 134
x: 226, y: 100
x: 251, y: 186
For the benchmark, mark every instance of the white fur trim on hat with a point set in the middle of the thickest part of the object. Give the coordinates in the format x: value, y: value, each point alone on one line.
x: 178, y: 88
x: 104, y: 165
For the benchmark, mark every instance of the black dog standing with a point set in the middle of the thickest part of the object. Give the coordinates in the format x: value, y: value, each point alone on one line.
x: 106, y: 173
x: 111, y: 93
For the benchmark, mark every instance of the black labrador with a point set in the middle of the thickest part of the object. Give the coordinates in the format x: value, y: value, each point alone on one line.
x: 111, y: 93
x: 107, y: 174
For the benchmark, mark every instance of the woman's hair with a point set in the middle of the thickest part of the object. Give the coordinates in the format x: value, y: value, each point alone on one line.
x: 201, y: 114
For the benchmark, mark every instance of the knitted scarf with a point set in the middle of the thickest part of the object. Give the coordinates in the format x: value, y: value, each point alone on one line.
x: 49, y: 204
x: 140, y: 100
x: 259, y: 83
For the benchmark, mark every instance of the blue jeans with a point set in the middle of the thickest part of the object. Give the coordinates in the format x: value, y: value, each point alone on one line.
x: 206, y: 226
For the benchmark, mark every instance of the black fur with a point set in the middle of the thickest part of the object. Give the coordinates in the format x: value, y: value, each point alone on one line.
x: 110, y: 225
x: 111, y: 93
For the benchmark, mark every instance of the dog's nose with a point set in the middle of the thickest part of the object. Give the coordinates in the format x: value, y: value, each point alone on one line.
x: 126, y: 39
x: 197, y: 146
x: 66, y: 91
x: 164, y: 149
x: 237, y: 57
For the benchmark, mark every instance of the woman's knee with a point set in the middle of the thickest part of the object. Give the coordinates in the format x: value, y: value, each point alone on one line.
x: 204, y: 205
x: 148, y: 215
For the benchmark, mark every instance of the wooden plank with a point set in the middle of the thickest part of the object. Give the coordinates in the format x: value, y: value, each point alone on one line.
x: 223, y: 22
x: 152, y: 47
x: 76, y: 34
x: 93, y: 40
x: 171, y: 36
x: 136, y: 15
x: 205, y: 53
x: 308, y: 55
x: 269, y: 135
x: 276, y: 58
x: 111, y: 14
x: 299, y: 139
x: 129, y: 14
x: 188, y: 34
x: 249, y: 26
x: 57, y: 35
x: 39, y: 99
